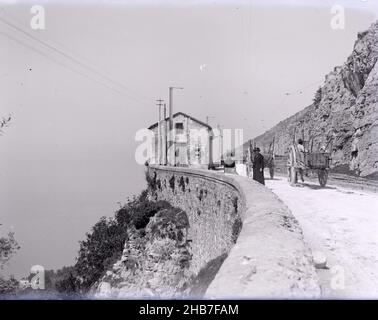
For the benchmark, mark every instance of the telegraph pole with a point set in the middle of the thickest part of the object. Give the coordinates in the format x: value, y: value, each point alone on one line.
x: 159, y: 103
x: 165, y: 138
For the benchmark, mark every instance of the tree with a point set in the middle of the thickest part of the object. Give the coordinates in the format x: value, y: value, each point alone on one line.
x: 102, y: 247
x: 104, y: 244
x: 8, y: 247
x: 4, y: 123
x: 8, y: 244
x: 8, y: 286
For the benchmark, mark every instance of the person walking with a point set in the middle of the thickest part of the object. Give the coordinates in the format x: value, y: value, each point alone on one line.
x: 301, y: 158
x: 258, y: 166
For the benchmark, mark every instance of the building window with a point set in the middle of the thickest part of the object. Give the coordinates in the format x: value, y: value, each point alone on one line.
x: 179, y: 126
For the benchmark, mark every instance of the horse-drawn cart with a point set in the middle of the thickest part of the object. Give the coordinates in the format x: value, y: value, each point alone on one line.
x: 302, y: 162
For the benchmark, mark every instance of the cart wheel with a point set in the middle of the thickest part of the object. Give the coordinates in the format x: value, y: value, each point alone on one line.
x: 323, y: 177
x: 271, y: 172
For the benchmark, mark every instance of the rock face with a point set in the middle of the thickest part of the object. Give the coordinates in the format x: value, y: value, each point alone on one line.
x: 154, y: 263
x: 343, y: 116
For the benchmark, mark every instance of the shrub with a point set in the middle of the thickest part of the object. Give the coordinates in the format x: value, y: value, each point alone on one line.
x: 8, y: 247
x: 104, y: 245
x: 318, y: 96
x: 69, y: 284
x: 151, y: 182
x: 9, y: 286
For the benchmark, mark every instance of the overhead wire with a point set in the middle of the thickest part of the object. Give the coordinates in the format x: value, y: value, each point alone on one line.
x: 10, y: 37
x: 86, y: 66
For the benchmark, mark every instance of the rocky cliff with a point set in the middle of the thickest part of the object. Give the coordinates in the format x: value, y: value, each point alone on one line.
x: 154, y: 263
x: 344, y: 114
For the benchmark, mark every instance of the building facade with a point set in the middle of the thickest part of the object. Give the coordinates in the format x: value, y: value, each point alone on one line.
x: 189, y: 143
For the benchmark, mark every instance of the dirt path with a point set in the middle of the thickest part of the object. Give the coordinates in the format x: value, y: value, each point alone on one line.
x: 341, y: 225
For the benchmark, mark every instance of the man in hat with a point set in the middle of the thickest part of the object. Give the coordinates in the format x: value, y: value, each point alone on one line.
x: 258, y: 166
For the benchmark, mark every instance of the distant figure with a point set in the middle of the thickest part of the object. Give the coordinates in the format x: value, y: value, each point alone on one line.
x: 354, y: 163
x: 229, y: 164
x: 300, y: 146
x: 355, y: 141
x: 258, y: 166
x: 301, y: 160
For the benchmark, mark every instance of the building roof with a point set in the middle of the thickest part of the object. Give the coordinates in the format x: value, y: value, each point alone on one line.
x: 185, y: 115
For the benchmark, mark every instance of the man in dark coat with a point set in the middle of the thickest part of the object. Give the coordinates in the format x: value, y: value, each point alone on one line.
x: 258, y: 166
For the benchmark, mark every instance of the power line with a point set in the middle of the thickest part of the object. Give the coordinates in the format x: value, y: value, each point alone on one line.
x: 159, y: 102
x: 56, y: 61
x: 52, y: 41
x: 56, y: 50
x: 70, y: 57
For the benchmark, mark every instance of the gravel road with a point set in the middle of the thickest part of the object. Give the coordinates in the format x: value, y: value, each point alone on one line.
x: 341, y: 226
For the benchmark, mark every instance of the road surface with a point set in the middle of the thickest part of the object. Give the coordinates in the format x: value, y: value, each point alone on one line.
x: 342, y: 226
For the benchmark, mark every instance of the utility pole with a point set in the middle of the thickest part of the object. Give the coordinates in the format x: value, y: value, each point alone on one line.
x: 159, y: 103
x: 211, y: 141
x: 171, y: 159
x: 165, y: 138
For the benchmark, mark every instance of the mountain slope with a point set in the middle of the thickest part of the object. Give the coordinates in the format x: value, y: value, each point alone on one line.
x: 344, y: 114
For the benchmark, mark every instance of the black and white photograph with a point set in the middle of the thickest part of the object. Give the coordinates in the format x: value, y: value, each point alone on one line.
x: 176, y: 150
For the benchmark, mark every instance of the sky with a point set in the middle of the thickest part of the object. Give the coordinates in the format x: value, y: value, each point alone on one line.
x: 68, y: 156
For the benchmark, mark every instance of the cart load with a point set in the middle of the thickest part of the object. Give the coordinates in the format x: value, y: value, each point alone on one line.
x: 308, y: 161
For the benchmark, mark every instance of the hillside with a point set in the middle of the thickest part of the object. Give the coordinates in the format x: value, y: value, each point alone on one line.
x: 343, y: 116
